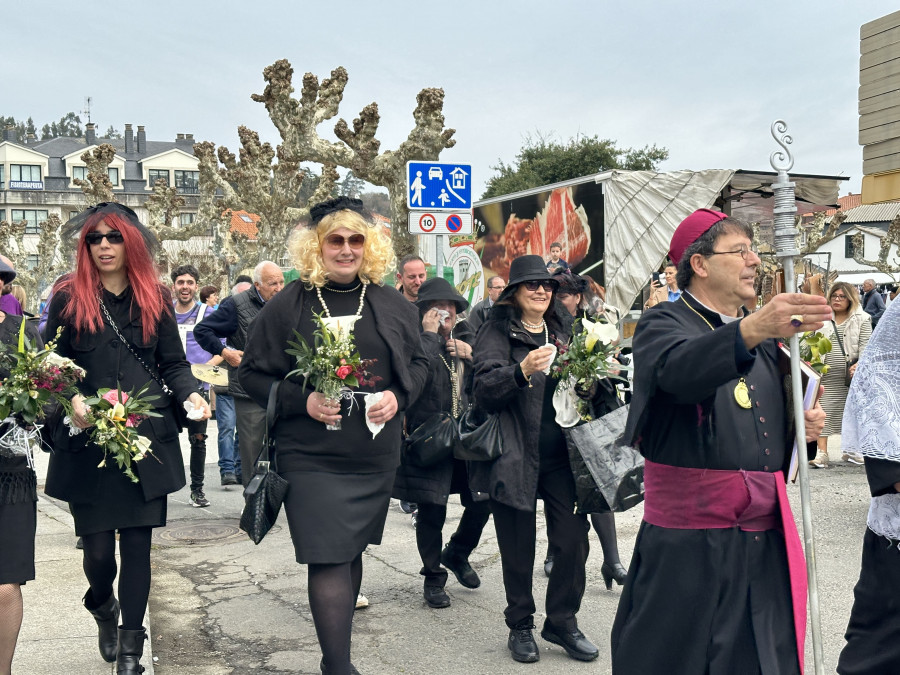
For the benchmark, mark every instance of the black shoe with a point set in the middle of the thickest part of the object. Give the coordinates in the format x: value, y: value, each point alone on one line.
x: 79, y: 544
x: 407, y: 507
x: 353, y: 670
x: 522, y: 645
x: 460, y: 567
x: 239, y: 477
x: 107, y: 618
x: 574, y: 642
x: 548, y: 564
x: 198, y: 499
x: 228, y: 478
x: 436, y: 597
x: 615, y: 572
x: 131, y: 648
x: 414, y: 517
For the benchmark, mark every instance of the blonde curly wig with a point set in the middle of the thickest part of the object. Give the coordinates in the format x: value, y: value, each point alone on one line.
x: 305, y: 247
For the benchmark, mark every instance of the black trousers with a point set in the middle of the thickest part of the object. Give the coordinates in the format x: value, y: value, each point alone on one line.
x: 428, y: 535
x: 197, y: 439
x: 251, y: 427
x: 567, y: 533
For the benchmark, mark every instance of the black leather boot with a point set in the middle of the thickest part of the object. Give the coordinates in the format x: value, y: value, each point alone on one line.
x: 107, y: 618
x: 131, y: 647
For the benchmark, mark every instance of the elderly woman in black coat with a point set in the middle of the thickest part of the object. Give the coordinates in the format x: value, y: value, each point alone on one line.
x: 513, y: 349
x: 449, y: 365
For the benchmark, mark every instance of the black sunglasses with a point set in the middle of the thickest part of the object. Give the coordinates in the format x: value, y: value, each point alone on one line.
x: 113, y: 237
x: 546, y: 284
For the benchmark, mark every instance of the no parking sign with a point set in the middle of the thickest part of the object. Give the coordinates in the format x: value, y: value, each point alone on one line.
x: 437, y: 222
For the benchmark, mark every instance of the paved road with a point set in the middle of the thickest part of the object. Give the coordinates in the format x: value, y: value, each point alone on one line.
x: 220, y: 605
x: 227, y: 606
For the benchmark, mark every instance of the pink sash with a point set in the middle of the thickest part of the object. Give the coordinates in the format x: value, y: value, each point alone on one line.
x: 700, y: 499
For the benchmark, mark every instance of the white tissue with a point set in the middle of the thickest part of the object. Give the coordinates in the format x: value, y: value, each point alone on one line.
x: 192, y: 412
x: 372, y: 399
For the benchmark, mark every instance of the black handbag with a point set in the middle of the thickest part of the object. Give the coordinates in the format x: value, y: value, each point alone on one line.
x: 266, y: 491
x: 479, y: 436
x: 433, y: 441
x: 609, y: 476
x: 848, y: 376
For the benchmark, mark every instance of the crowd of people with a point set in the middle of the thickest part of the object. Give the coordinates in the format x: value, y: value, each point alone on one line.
x: 706, y: 365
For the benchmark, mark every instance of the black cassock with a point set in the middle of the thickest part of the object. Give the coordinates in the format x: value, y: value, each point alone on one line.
x: 711, y: 601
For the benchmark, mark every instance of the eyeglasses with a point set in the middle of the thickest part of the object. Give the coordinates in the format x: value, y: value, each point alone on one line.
x: 113, y: 237
x: 336, y: 241
x: 743, y: 251
x: 547, y: 285
x: 838, y: 296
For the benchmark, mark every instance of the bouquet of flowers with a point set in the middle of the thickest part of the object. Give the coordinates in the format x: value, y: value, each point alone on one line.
x: 36, y: 377
x: 114, y: 416
x: 332, y: 365
x: 587, y: 358
x: 813, y: 347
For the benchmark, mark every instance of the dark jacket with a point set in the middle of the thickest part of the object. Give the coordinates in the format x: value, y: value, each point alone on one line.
x: 873, y: 305
x: 397, y: 323
x: 230, y: 321
x: 73, y: 474
x: 478, y: 315
x: 432, y: 484
x: 499, y: 387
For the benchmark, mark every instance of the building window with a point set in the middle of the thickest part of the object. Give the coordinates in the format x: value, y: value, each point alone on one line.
x: 72, y: 214
x: 32, y: 260
x: 25, y: 172
x: 79, y: 172
x: 187, y: 182
x: 113, y: 174
x: 185, y: 219
x: 848, y: 246
x: 156, y: 174
x: 2, y: 214
x: 2, y: 186
x: 32, y: 217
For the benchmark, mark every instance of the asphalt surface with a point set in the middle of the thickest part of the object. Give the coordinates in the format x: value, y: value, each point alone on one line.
x: 221, y: 605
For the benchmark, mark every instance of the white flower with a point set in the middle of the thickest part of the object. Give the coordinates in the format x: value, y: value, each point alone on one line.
x: 142, y: 443
x: 606, y: 333
x: 340, y: 326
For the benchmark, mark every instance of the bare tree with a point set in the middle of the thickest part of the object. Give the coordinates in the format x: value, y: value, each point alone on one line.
x: 97, y: 187
x: 49, y: 262
x: 891, y: 238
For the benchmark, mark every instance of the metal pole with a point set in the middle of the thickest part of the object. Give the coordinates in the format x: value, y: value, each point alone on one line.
x: 786, y: 248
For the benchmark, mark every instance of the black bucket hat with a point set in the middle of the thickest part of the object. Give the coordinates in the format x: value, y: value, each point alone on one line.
x: 526, y: 268
x: 439, y: 288
x: 7, y: 273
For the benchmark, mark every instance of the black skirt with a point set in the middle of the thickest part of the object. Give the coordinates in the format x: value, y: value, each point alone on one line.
x: 18, y: 521
x: 332, y: 516
x: 119, y: 504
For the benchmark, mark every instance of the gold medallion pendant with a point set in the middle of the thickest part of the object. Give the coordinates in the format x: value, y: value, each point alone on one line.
x: 742, y: 394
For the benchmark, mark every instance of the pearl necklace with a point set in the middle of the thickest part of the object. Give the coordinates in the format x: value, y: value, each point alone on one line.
x: 339, y: 290
x: 454, y: 388
x: 362, y: 298
x: 538, y: 326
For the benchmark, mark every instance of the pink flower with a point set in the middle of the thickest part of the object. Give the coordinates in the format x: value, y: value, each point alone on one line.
x: 343, y: 371
x: 133, y: 420
x: 112, y: 396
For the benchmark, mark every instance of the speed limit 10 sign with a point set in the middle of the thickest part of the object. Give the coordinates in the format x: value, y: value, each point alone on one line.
x: 440, y: 222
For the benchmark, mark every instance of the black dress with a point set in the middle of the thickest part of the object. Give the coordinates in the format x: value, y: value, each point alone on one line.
x: 18, y: 492
x: 340, y: 480
x: 103, y: 499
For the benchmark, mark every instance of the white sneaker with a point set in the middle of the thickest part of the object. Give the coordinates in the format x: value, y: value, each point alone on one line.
x: 361, y: 601
x: 854, y: 458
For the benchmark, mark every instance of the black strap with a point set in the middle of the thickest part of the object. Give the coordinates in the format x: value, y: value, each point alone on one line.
x: 271, y: 418
x: 156, y: 378
x: 840, y: 344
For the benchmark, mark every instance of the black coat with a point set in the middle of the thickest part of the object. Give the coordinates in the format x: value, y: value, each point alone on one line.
x: 431, y: 484
x: 73, y: 474
x: 500, y: 346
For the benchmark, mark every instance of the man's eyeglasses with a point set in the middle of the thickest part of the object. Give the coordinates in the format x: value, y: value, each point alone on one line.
x: 547, y: 285
x: 336, y: 241
x: 743, y: 251
x: 113, y: 237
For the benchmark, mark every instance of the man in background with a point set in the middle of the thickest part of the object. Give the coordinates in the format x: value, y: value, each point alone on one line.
x: 479, y: 313
x: 410, y: 276
x: 873, y: 303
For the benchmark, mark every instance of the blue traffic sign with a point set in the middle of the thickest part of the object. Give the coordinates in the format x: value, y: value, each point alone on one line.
x: 441, y: 186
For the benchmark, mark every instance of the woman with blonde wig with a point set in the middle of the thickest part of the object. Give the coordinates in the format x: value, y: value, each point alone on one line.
x: 340, y: 481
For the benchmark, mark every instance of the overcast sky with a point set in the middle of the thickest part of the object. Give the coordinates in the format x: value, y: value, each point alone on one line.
x: 703, y: 78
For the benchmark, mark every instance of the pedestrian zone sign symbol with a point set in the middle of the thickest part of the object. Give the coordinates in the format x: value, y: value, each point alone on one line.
x: 438, y: 186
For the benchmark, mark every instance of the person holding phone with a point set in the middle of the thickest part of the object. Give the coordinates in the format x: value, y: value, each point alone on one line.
x: 664, y: 293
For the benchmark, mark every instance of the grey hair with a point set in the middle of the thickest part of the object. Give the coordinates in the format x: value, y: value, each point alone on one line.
x: 258, y: 270
x: 240, y: 287
x: 705, y: 244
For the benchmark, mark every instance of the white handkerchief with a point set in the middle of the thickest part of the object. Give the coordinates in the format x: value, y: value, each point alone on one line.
x: 192, y: 412
x: 372, y: 399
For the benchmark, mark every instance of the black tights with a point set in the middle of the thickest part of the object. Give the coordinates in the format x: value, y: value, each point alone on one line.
x: 332, y: 600
x: 605, y: 527
x: 134, y: 579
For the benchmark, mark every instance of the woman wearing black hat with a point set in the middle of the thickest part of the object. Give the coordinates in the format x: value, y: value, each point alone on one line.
x: 340, y: 481
x: 511, y: 355
x: 450, y: 360
x: 18, y: 513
